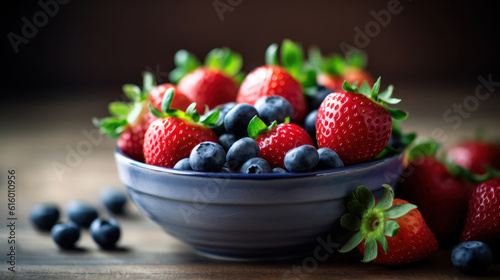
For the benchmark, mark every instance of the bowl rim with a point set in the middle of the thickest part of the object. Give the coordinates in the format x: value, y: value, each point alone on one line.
x: 119, y: 156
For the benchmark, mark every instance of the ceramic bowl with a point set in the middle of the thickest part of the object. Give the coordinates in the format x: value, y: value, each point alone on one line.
x: 250, y: 217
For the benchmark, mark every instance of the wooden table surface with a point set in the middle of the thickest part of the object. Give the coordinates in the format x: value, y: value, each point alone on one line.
x: 33, y: 143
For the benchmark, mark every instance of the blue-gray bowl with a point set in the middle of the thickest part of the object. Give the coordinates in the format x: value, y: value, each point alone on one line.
x: 250, y: 216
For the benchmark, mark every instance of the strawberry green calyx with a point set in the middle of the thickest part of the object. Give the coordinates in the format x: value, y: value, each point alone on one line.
x: 257, y: 127
x: 383, y: 98
x: 372, y: 221
x: 125, y: 113
x: 333, y: 65
x: 422, y: 148
x: 219, y: 59
x: 292, y: 59
x: 190, y: 113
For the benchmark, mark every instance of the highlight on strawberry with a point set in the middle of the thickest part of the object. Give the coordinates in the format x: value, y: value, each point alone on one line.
x: 214, y: 83
x: 284, y: 81
x: 174, y: 133
x: 389, y: 231
x: 356, y: 123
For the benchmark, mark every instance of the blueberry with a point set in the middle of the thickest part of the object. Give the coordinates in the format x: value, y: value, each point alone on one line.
x: 322, y: 93
x: 255, y: 165
x: 310, y: 124
x: 183, y: 164
x: 227, y: 140
x: 226, y: 169
x: 237, y: 119
x: 472, y: 257
x: 44, y: 216
x: 219, y: 128
x: 65, y: 235
x: 207, y: 156
x: 81, y: 213
x: 273, y: 108
x: 241, y: 151
x: 105, y: 232
x: 328, y: 159
x: 114, y: 200
x: 279, y: 170
x: 301, y: 159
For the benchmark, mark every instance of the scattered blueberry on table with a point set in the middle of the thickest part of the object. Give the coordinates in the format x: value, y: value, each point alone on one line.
x: 472, y: 257
x: 65, y: 235
x: 105, y: 232
x: 114, y: 200
x: 81, y: 213
x: 44, y: 216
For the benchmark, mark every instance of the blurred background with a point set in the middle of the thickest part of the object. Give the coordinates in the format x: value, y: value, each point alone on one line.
x: 63, y: 61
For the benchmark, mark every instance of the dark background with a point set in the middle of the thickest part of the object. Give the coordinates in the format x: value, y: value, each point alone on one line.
x: 103, y: 44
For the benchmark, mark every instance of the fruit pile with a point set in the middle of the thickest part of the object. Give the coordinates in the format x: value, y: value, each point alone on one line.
x: 295, y: 117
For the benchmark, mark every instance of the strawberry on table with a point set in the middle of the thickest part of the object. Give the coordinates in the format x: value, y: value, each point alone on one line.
x: 442, y: 197
x: 273, y: 79
x: 476, y: 155
x: 175, y: 133
x: 130, y: 120
x: 212, y: 84
x: 276, y: 140
x: 483, y: 216
x: 356, y: 123
x: 389, y: 231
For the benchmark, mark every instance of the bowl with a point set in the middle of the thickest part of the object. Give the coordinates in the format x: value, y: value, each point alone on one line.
x: 250, y: 216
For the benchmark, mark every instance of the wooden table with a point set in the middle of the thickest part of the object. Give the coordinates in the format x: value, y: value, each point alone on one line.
x: 32, y: 144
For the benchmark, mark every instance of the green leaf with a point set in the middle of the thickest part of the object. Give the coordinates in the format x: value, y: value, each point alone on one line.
x: 397, y: 114
x: 307, y: 77
x: 210, y: 119
x: 155, y: 112
x: 239, y: 77
x: 315, y: 58
x: 370, y: 250
x: 408, y: 138
x: 287, y: 120
x: 186, y: 61
x: 356, y: 59
x: 383, y: 241
x: 352, y: 242
x: 111, y: 126
x: 391, y: 228
x: 347, y: 87
x: 148, y: 82
x: 399, y: 210
x: 256, y: 127
x: 356, y: 207
x: 167, y: 100
x: 366, y: 197
x: 350, y: 221
x: 133, y: 92
x: 494, y: 173
x: 334, y: 65
x: 375, y: 89
x: 119, y: 109
x: 421, y: 149
x: 233, y: 64
x: 272, y: 55
x: 292, y: 57
x: 365, y: 89
x: 176, y: 75
x: 385, y: 201
x: 191, y: 112
x: 388, y: 150
x: 387, y: 93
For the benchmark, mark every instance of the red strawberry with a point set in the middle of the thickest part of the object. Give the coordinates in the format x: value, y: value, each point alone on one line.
x: 276, y: 140
x: 174, y: 134
x: 475, y: 155
x: 442, y: 198
x: 332, y: 82
x: 130, y: 120
x: 213, y: 84
x: 483, y: 216
x: 285, y: 81
x: 397, y: 226
x: 180, y: 101
x: 355, y: 126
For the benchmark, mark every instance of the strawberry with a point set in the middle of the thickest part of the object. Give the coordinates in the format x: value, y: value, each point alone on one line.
x: 483, y: 216
x: 180, y: 101
x: 475, y: 155
x: 130, y: 120
x: 356, y: 123
x: 174, y: 134
x: 276, y: 140
x: 210, y: 85
x: 442, y: 197
x: 272, y: 79
x: 397, y: 226
x: 335, y: 69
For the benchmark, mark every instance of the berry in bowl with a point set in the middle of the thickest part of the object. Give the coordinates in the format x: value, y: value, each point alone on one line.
x: 242, y: 181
